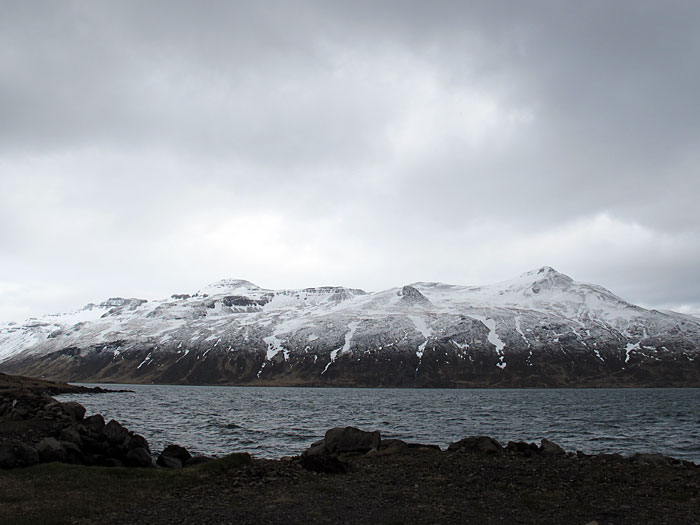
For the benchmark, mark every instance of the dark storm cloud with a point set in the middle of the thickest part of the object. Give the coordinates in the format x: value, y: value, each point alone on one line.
x: 352, y: 134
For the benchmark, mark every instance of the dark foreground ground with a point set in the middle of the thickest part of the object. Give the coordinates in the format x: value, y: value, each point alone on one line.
x: 409, y: 486
x: 395, y: 484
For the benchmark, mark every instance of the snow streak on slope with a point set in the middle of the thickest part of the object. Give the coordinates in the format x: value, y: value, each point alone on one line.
x: 352, y: 327
x: 493, y: 338
x: 422, y: 326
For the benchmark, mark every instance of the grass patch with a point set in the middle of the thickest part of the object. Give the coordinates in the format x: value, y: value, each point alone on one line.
x: 221, y: 465
x: 61, y: 493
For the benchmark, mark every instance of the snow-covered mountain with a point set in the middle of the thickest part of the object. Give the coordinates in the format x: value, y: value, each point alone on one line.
x: 540, y: 329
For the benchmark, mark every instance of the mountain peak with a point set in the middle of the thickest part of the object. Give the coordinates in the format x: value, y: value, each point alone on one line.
x: 543, y: 271
x: 410, y: 295
x: 226, y: 285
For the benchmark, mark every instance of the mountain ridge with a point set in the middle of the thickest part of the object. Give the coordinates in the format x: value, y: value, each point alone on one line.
x: 541, y: 328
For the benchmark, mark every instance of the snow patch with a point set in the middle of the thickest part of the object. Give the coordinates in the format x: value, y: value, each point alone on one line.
x: 352, y: 327
x: 423, y: 327
x: 493, y: 338
x: 629, y: 348
x: 274, y: 346
x: 146, y: 361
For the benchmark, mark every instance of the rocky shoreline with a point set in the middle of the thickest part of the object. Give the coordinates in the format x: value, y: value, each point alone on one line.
x: 349, y: 476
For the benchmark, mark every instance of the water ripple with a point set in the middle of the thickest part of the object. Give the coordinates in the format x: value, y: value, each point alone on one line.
x: 273, y: 422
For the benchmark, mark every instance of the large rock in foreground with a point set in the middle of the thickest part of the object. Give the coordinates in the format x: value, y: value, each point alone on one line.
x: 35, y: 428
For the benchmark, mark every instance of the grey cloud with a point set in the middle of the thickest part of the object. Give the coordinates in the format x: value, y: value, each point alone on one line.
x: 122, y: 124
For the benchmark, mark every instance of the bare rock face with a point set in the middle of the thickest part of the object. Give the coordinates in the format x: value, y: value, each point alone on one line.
x: 411, y: 295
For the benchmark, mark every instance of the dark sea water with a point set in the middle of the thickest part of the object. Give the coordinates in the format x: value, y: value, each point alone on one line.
x: 274, y: 422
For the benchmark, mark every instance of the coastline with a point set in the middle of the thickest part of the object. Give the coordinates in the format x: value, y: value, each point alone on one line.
x: 475, y: 480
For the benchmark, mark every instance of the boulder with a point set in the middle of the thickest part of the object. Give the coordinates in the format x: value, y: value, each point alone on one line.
x: 479, y: 444
x: 350, y: 439
x: 168, y: 462
x: 26, y: 455
x: 8, y: 459
x: 95, y: 445
x: 73, y: 453
x: 115, y: 451
x: 317, y: 448
x: 94, y: 423
x: 176, y: 451
x: 138, y: 457
x: 547, y: 448
x: 392, y: 443
x: 72, y: 435
x: 74, y: 410
x: 197, y: 460
x: 49, y: 449
x: 325, y: 464
x: 651, y: 459
x: 115, y: 433
x: 521, y: 448
x: 134, y: 441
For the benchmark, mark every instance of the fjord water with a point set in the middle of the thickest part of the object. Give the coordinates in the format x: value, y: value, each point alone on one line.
x: 274, y: 422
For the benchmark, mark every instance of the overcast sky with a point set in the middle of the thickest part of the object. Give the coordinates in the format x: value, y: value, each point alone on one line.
x: 149, y: 148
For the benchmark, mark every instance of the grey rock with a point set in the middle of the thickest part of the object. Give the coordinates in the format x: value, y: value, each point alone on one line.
x: 115, y: 433
x: 138, y: 457
x: 26, y: 455
x: 522, y: 448
x: 392, y: 443
x: 651, y: 459
x: 411, y: 295
x: 72, y: 435
x: 317, y: 448
x: 74, y: 410
x: 479, y: 444
x: 95, y: 445
x: 168, y: 462
x: 49, y: 449
x: 548, y: 448
x: 73, y: 453
x: 325, y: 464
x: 8, y: 459
x: 350, y: 439
x: 176, y: 451
x: 94, y: 423
x: 197, y: 460
x: 134, y: 441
